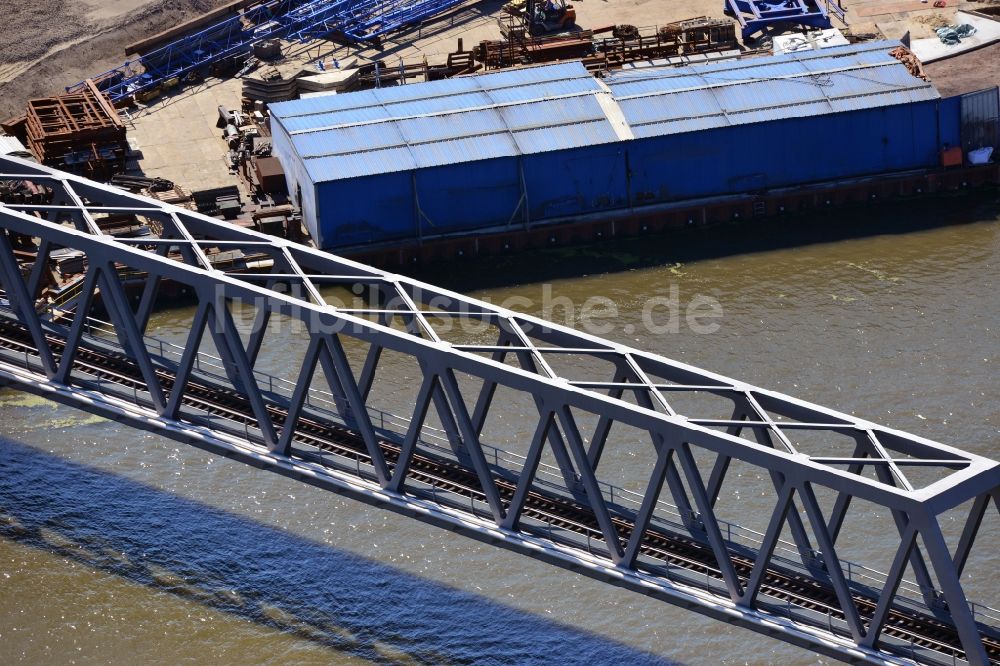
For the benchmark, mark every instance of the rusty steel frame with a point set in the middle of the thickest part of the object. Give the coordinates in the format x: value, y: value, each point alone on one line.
x: 638, y: 395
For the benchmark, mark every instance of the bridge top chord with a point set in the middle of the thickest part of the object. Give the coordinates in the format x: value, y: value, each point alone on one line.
x: 638, y: 372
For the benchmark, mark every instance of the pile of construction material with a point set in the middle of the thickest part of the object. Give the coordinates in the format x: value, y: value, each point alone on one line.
x: 78, y: 132
x: 613, y: 46
x: 269, y: 87
x: 247, y: 140
x: 24, y: 192
x: 141, y: 183
x: 216, y: 42
x: 905, y: 56
x: 327, y: 83
x: 282, y: 221
x: 219, y: 201
x: 332, y: 76
x: 160, y: 189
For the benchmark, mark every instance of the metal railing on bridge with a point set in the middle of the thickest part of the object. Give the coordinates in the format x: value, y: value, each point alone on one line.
x: 387, y: 424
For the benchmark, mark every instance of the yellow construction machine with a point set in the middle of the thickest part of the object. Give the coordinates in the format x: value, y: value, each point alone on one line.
x: 537, y: 17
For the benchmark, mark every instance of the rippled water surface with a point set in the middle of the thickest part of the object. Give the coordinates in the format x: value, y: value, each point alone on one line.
x: 121, y: 546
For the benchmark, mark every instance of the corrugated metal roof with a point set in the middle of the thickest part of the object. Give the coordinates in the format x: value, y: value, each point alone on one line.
x: 467, y: 149
x: 660, y: 101
x: 504, y: 114
x: 448, y: 90
x: 11, y: 144
x: 540, y: 109
x: 547, y: 139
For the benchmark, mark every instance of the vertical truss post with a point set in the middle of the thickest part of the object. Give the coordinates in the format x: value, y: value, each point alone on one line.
x: 916, y: 557
x: 648, y: 506
x: 715, y: 540
x: 958, y: 607
x: 799, y: 534
x: 721, y: 467
x: 427, y: 387
x: 188, y: 358
x: 447, y: 417
x: 970, y: 531
x: 367, y: 379
x: 38, y: 270
x: 472, y: 445
x: 77, y: 326
x: 843, y: 501
x: 674, y: 482
x: 594, y: 497
x: 332, y: 380
x: 257, y: 333
x: 117, y: 305
x: 892, y: 581
x: 302, y: 385
x: 489, y: 388
x: 767, y: 545
x: 833, y: 568
x: 230, y: 346
x: 528, y: 471
x: 559, y: 451
x: 23, y: 304
x: 342, y: 370
x: 604, y: 422
x: 718, y: 475
x: 149, y: 293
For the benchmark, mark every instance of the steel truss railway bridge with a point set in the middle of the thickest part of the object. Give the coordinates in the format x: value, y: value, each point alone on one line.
x: 538, y: 487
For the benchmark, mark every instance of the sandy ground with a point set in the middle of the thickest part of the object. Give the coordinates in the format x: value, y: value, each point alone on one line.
x: 41, y: 53
x: 965, y: 73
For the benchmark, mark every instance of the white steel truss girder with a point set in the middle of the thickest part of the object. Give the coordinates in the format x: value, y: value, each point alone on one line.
x: 72, y: 219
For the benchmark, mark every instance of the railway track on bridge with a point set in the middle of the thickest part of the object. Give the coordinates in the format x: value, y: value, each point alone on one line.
x: 914, y: 629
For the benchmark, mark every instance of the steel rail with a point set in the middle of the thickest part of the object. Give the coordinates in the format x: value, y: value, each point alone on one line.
x: 672, y: 549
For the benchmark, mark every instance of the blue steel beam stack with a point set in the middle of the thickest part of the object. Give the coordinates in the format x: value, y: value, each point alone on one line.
x: 357, y: 20
x: 392, y: 15
x: 757, y: 15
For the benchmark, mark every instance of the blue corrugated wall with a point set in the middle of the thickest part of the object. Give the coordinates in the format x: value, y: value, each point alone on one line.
x: 781, y: 153
x: 742, y: 158
x: 950, y: 121
x: 574, y: 182
x: 365, y: 210
x: 469, y: 195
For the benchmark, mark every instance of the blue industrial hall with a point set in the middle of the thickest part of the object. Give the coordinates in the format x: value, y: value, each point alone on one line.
x: 542, y: 144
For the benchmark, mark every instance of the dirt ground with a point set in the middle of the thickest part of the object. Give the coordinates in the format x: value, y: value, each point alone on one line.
x: 965, y: 73
x: 42, y: 52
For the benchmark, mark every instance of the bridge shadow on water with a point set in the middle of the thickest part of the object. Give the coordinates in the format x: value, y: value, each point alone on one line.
x: 711, y: 242
x: 305, y: 588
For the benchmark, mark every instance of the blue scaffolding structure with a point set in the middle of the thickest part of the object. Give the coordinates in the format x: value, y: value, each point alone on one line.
x: 292, y: 20
x: 756, y: 15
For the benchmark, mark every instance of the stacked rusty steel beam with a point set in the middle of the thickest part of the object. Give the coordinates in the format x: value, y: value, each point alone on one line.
x: 80, y: 132
x: 701, y: 35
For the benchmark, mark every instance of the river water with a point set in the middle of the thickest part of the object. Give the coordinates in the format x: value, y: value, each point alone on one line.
x: 118, y: 546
